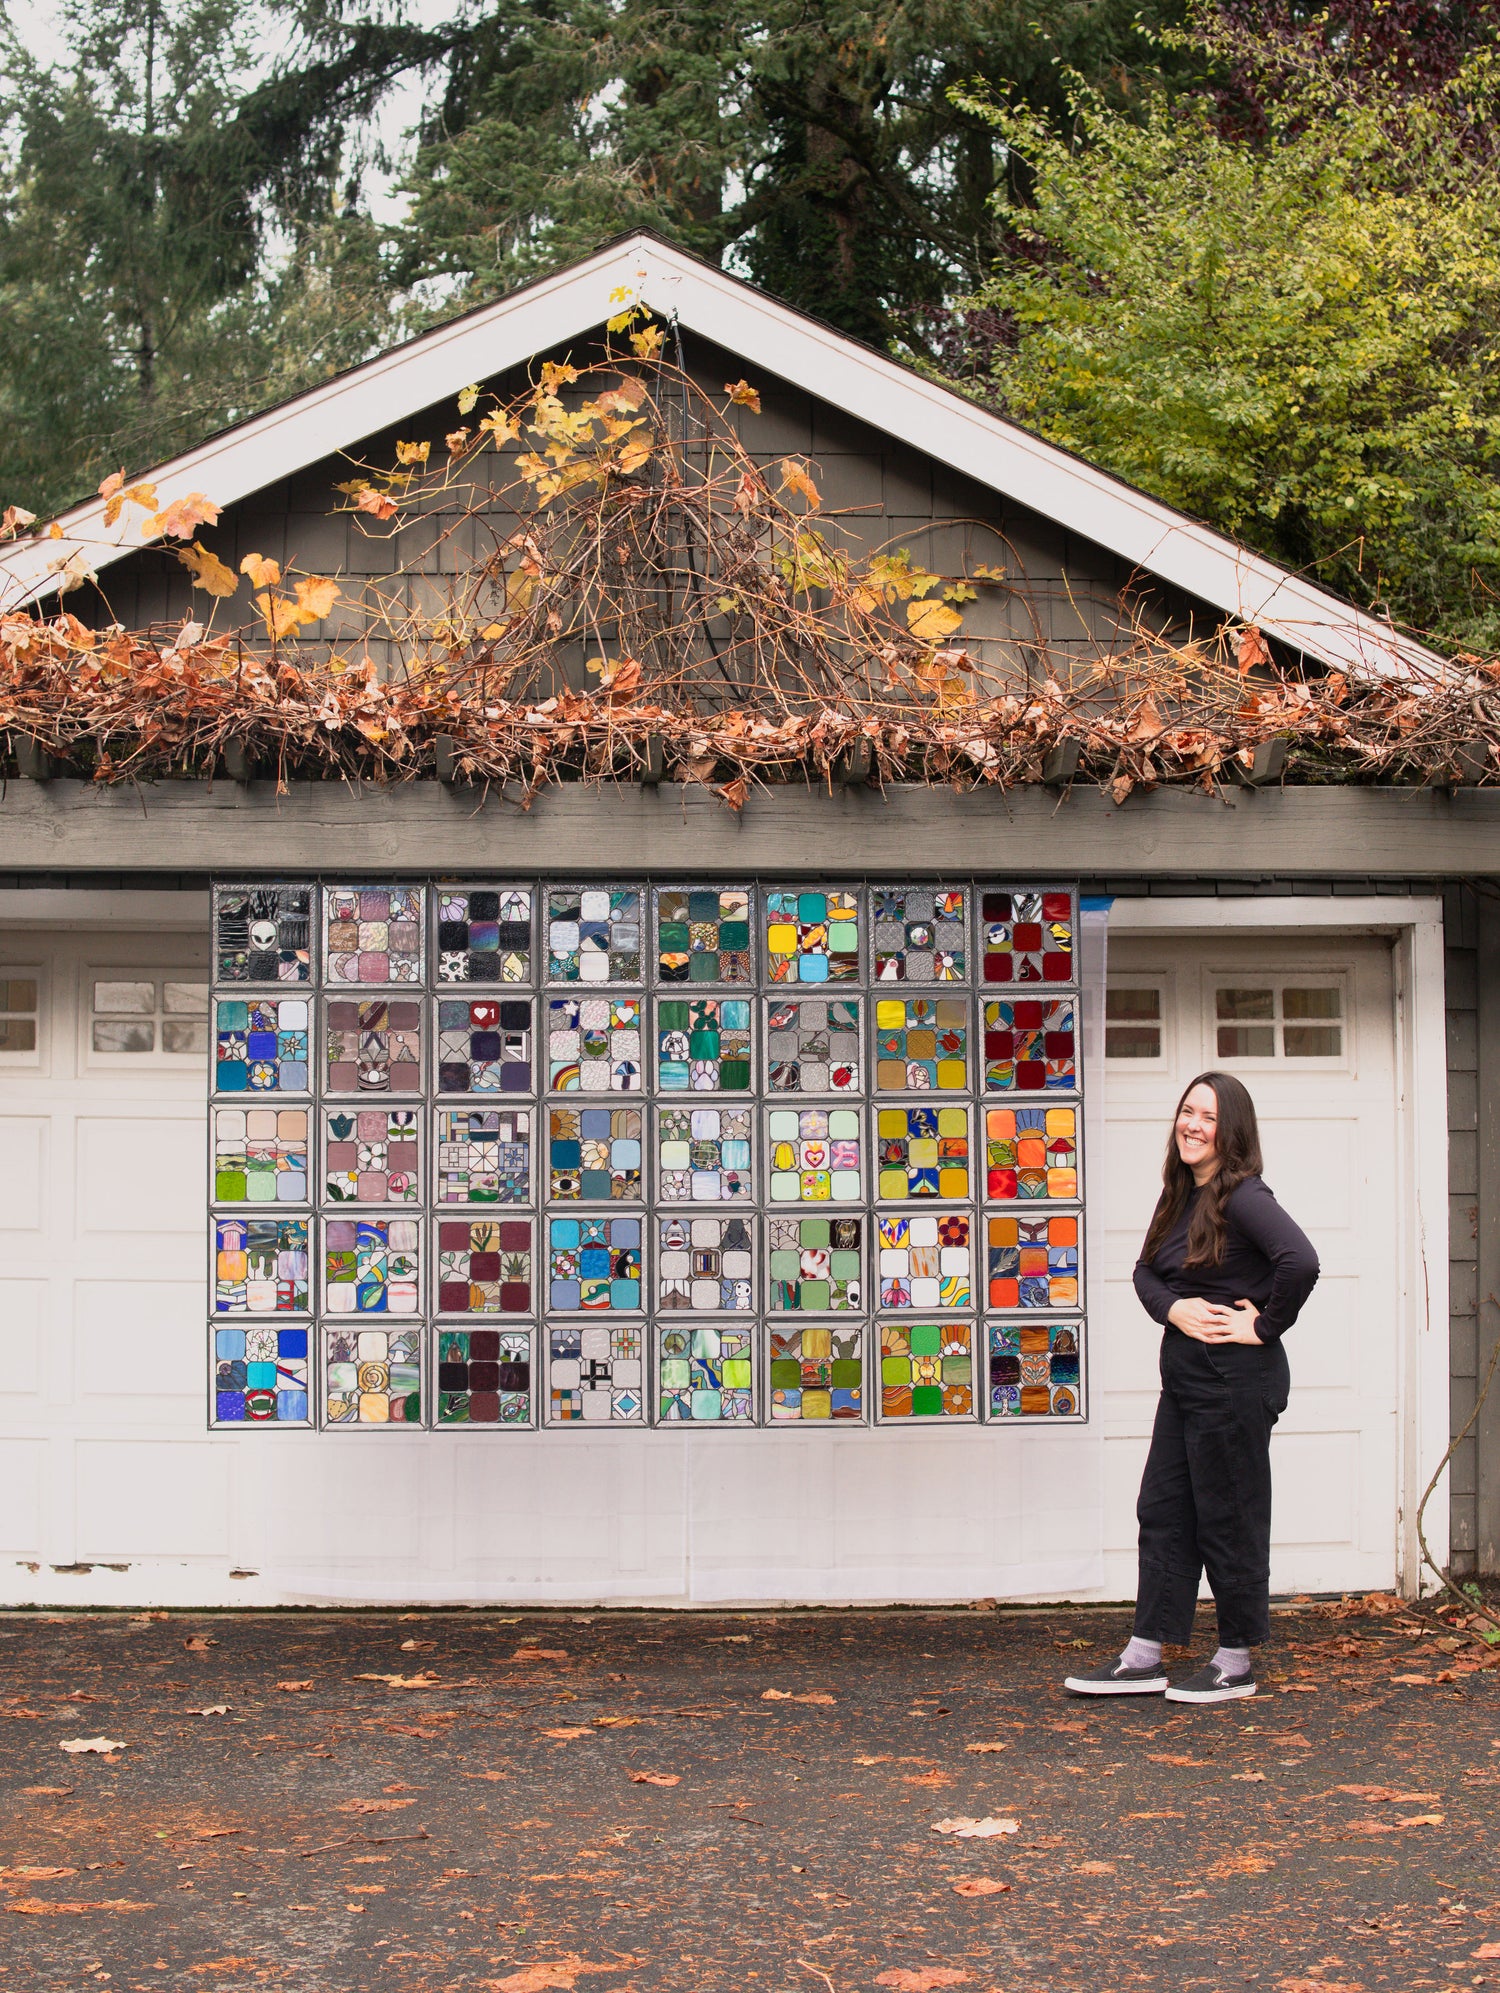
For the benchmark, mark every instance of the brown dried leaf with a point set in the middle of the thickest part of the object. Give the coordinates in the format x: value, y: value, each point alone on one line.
x: 655, y: 1778
x: 293, y: 1688
x: 976, y: 1830
x: 922, y: 1979
x: 979, y: 1885
x: 100, y: 1745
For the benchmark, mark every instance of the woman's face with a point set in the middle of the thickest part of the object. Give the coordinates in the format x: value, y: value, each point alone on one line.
x: 1198, y: 1128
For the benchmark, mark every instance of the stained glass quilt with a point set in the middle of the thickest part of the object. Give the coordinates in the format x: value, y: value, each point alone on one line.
x: 260, y: 1266
x: 703, y: 1044
x: 816, y: 1375
x: 814, y: 1154
x: 371, y: 1266
x: 1035, y: 1370
x: 263, y: 934
x: 705, y: 1264
x: 1027, y: 937
x: 484, y: 1377
x: 484, y: 1045
x: 260, y: 1155
x: 594, y: 1263
x: 483, y: 934
x: 812, y: 1045
x: 1033, y: 1262
x: 595, y: 1374
x: 1030, y: 1045
x: 594, y: 1044
x: 921, y: 1045
x: 923, y: 1152
x: 703, y: 935
x: 1030, y: 1152
x: 593, y: 1154
x: 926, y: 1371
x: 816, y: 1264
x: 703, y: 1155
x: 484, y: 1155
x: 705, y: 1374
x: 373, y: 1045
x: 260, y: 1376
x: 926, y: 1260
x: 484, y: 1266
x: 261, y: 1045
x: 373, y: 934
x: 812, y: 937
x: 594, y: 934
x: 372, y: 1377
x: 920, y: 934
x: 371, y: 1155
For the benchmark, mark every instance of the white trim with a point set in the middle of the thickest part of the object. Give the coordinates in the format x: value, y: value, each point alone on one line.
x: 52, y: 907
x: 815, y: 357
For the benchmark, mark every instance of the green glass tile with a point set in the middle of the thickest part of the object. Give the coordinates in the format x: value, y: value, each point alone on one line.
x: 926, y: 1400
x: 925, y: 1338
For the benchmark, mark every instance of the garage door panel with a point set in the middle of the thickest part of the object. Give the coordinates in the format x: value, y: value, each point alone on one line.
x: 151, y: 1498
x: 1315, y: 1172
x: 24, y: 1154
x: 23, y: 1314
x: 138, y: 1338
x: 140, y: 1175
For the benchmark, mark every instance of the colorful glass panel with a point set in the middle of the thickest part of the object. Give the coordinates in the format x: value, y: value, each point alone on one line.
x: 593, y: 1154
x: 484, y: 1377
x: 261, y: 1045
x: 594, y: 1263
x: 706, y: 1264
x: 371, y: 1266
x: 814, y: 1154
x: 373, y: 1045
x: 260, y: 1266
x: 926, y: 1371
x: 812, y: 937
x: 263, y: 934
x: 1030, y: 1152
x: 594, y: 934
x: 703, y: 935
x: 1033, y: 1262
x: 705, y: 1374
x: 594, y: 1044
x: 812, y: 1045
x: 920, y: 934
x: 703, y: 1044
x: 484, y: 1155
x: 703, y: 1155
x: 816, y: 1375
x: 260, y: 1155
x: 484, y: 1045
x: 260, y: 1376
x: 483, y: 934
x: 1030, y: 1045
x: 595, y: 1374
x: 370, y: 1155
x: 373, y: 934
x: 923, y: 1152
x: 921, y: 1044
x: 484, y: 1266
x: 816, y: 1264
x: 1035, y: 1370
x: 372, y: 1377
x: 926, y: 1259
x: 1027, y: 937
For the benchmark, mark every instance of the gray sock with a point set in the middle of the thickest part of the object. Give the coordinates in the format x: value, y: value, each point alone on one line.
x: 1141, y: 1653
x: 1232, y: 1661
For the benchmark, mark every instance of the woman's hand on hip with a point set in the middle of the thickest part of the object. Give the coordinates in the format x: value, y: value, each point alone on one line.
x: 1236, y: 1325
x: 1204, y: 1321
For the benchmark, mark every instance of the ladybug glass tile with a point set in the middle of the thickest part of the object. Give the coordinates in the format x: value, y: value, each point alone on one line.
x: 816, y: 1375
x: 484, y: 1266
x: 594, y: 1044
x: 484, y: 1155
x: 370, y: 1155
x: 262, y: 934
x: 705, y: 1264
x: 260, y: 1155
x: 1034, y: 1370
x: 703, y: 935
x: 594, y: 1264
x: 1033, y: 1262
x: 1030, y: 1153
x: 1027, y: 937
x: 920, y: 934
x: 926, y: 1371
x: 703, y: 1155
x: 260, y: 1266
x: 260, y: 1376
x: 1030, y: 1045
x: 372, y: 934
x: 926, y: 1259
x: 373, y: 1045
x: 812, y: 937
x: 371, y: 1265
x: 922, y: 1152
x: 594, y: 934
x: 705, y: 1374
x: 483, y: 934
x: 484, y: 1045
x: 595, y: 1374
x: 814, y: 1154
x: 593, y: 1154
x: 484, y: 1377
x: 703, y: 1044
x: 372, y: 1377
x: 921, y: 1044
x: 261, y: 1044
x: 812, y: 1045
x: 816, y: 1265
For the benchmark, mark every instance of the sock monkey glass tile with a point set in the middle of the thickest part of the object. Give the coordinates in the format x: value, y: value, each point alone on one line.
x: 703, y: 935
x: 373, y: 934
x: 816, y: 1264
x: 923, y: 1152
x: 816, y: 1374
x: 260, y: 1376
x: 484, y: 934
x: 703, y: 1044
x: 920, y: 934
x: 594, y: 934
x: 263, y: 934
x: 926, y: 1259
x: 593, y: 1154
x: 372, y: 1045
x: 921, y: 1044
x: 705, y: 1264
x: 1033, y: 1262
x: 1034, y: 1370
x: 371, y: 1155
x: 813, y: 1045
x: 594, y: 1264
x: 1027, y: 937
x: 372, y: 1266
x: 811, y: 936
x: 705, y: 1374
x: 261, y: 1045
x: 260, y: 1155
x: 485, y: 1266
x: 1030, y: 1153
x: 926, y: 1371
x: 594, y: 1044
x: 1030, y: 1045
x: 814, y: 1154
x: 484, y: 1155
x: 260, y: 1266
x: 484, y: 1045
x: 372, y: 1377
x: 484, y: 1377
x: 703, y: 1155
x: 595, y: 1374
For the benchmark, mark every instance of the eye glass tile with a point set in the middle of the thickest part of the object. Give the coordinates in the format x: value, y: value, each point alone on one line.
x: 595, y: 1374
x: 817, y: 1375
x: 594, y: 1044
x: 593, y: 1263
x: 920, y: 934
x: 812, y: 937
x: 260, y: 1377
x: 705, y: 1264
x: 484, y: 1377
x: 1030, y: 1152
x: 703, y: 935
x: 921, y: 1045
x: 262, y: 934
x: 485, y: 1266
x: 594, y: 934
x: 1030, y: 1045
x: 703, y: 1044
x: 484, y: 934
x: 261, y: 1045
x: 484, y: 1155
x: 923, y: 1152
x: 812, y: 1045
x: 593, y: 1154
x: 1027, y: 937
x: 373, y: 1045
x: 484, y: 1045
x: 1035, y: 1370
x: 814, y: 1154
x: 926, y: 1371
x: 705, y: 1374
x: 372, y: 1377
x: 816, y: 1265
x: 373, y: 934
x: 703, y: 1155
x: 926, y: 1260
x: 1033, y: 1262
x: 370, y: 1155
x: 371, y: 1266
x: 260, y: 1266
x: 260, y: 1155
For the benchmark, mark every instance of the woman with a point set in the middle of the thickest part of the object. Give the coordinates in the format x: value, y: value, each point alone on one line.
x: 1226, y: 1273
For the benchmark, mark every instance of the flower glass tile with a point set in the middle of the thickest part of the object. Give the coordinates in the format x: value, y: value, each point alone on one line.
x: 594, y: 1264
x: 372, y: 1377
x: 812, y: 937
x: 921, y: 1044
x: 484, y: 934
x: 595, y: 1374
x: 1027, y: 937
x: 484, y: 1266
x: 705, y: 1264
x: 816, y: 1265
x: 816, y: 1375
x: 593, y: 1154
x: 483, y: 1155
x: 703, y: 935
x: 705, y: 1374
x: 594, y: 934
x: 926, y: 1370
x: 373, y: 934
x: 260, y: 1266
x: 1034, y: 1370
x: 260, y: 1376
x: 1033, y: 1262
x: 484, y: 1377
x: 262, y: 934
x: 703, y: 1155
x: 260, y: 1155
x: 261, y: 1045
x: 370, y: 1155
x: 920, y: 934
x: 703, y: 1044
x: 373, y: 1045
x: 923, y: 1152
x: 1030, y: 1152
x: 594, y: 1044
x: 814, y: 1154
x: 812, y: 1045
x: 484, y: 1045
x: 1030, y: 1045
x: 926, y: 1259
x: 371, y: 1266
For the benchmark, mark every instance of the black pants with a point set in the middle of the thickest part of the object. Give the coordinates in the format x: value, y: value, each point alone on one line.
x: 1205, y: 1500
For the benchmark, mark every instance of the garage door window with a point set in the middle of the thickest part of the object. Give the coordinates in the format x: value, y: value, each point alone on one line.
x: 1257, y: 1020
x: 19, y: 998
x: 158, y: 1017
x: 1133, y: 1022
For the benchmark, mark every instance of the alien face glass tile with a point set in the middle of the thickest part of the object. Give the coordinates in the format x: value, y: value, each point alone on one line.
x: 926, y: 1260
x: 373, y: 934
x: 705, y: 1264
x: 926, y: 1371
x: 262, y: 934
x: 484, y: 1377
x: 1033, y: 1262
x: 816, y: 1264
x: 703, y: 1155
x: 1034, y: 1370
x: 373, y: 1045
x: 483, y: 1155
x: 595, y: 1374
x: 370, y: 1155
x: 812, y: 1045
x: 594, y: 934
x: 484, y: 1266
x: 920, y: 934
x: 593, y: 1154
x: 1030, y: 1045
x: 261, y: 1045
x: 260, y: 1155
x: 921, y: 1044
x: 703, y: 1044
x: 705, y: 1374
x: 814, y: 1154
x: 703, y: 935
x: 1026, y: 937
x: 372, y: 1377
x: 484, y: 1045
x: 484, y: 934
x: 594, y: 1264
x: 260, y: 1266
x: 923, y: 1152
x: 260, y: 1376
x: 594, y: 1044
x: 816, y: 1375
x: 812, y: 937
x: 1030, y: 1152
x: 371, y: 1266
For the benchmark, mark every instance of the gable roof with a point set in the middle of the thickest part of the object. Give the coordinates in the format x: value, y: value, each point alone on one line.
x: 552, y: 310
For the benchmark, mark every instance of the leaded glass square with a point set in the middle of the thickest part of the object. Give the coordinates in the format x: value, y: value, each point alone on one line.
x: 595, y: 1374
x: 373, y: 1045
x: 1035, y: 1370
x: 1030, y: 1152
x: 260, y: 1266
x: 703, y: 935
x: 372, y: 1266
x: 926, y: 1260
x: 262, y: 934
x: 484, y: 1045
x: 705, y: 1264
x: 816, y: 1264
x: 703, y: 1044
x: 594, y: 1044
x: 372, y: 1377
x: 593, y: 1154
x: 811, y: 936
x: 260, y: 1155
x: 484, y: 1377
x: 484, y: 1155
x: 261, y: 1045
x: 1027, y: 937
x: 814, y: 1154
x: 260, y: 1376
x: 705, y: 1374
x: 484, y: 934
x: 920, y: 934
x: 485, y: 1266
x: 370, y: 1155
x: 594, y: 934
x: 926, y: 1371
x: 921, y: 1044
x: 816, y: 1374
x: 373, y: 934
x: 703, y: 1155
x: 923, y: 1152
x: 594, y: 1264
x: 1033, y: 1262
x: 1030, y: 1045
x: 812, y: 1045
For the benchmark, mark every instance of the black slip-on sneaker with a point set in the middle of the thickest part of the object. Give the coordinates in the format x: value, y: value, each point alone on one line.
x: 1211, y: 1684
x: 1114, y: 1678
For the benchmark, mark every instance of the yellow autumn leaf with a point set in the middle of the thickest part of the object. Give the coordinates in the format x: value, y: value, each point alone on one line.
x: 262, y: 573
x: 457, y: 441
x: 498, y: 425
x: 647, y: 342
x: 634, y: 453
x: 316, y: 595
x: 467, y: 398
x: 280, y: 613
x: 208, y: 571
x: 181, y: 519
x: 116, y: 498
x: 556, y: 374
x: 794, y: 478
x: 743, y: 395
x: 627, y: 396
x: 412, y: 453
x: 931, y: 622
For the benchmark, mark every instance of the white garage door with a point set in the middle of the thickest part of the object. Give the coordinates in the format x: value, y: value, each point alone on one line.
x: 1308, y: 1024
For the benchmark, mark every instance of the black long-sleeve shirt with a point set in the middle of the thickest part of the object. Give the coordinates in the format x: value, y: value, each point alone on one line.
x: 1268, y: 1259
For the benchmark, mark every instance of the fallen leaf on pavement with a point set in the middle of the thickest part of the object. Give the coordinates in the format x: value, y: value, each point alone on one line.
x: 613, y: 1722
x: 544, y: 1654
x: 77, y: 1744
x: 199, y: 1644
x: 417, y: 1646
x: 47, y: 1791
x: 1249, y: 1778
x: 1319, y: 1986
x: 785, y: 1695
x: 563, y: 1972
x: 883, y: 1759
x: 1173, y: 1758
x: 373, y: 1805
x: 979, y: 1885
x: 933, y: 1777
x: 1421, y: 1820
x: 293, y: 1688
x: 566, y: 1736
x: 922, y: 1979
x: 655, y: 1778
x: 1414, y: 1681
x: 33, y: 1874
x: 983, y: 1747
x: 1096, y: 1868
x: 36, y: 1906
x: 1486, y: 1951
x: 1379, y: 1792
x: 1299, y: 1688
x: 213, y: 1709
x: 426, y: 1680
x: 976, y: 1830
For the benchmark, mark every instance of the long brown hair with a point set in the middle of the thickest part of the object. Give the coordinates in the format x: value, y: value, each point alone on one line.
x: 1238, y: 1145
